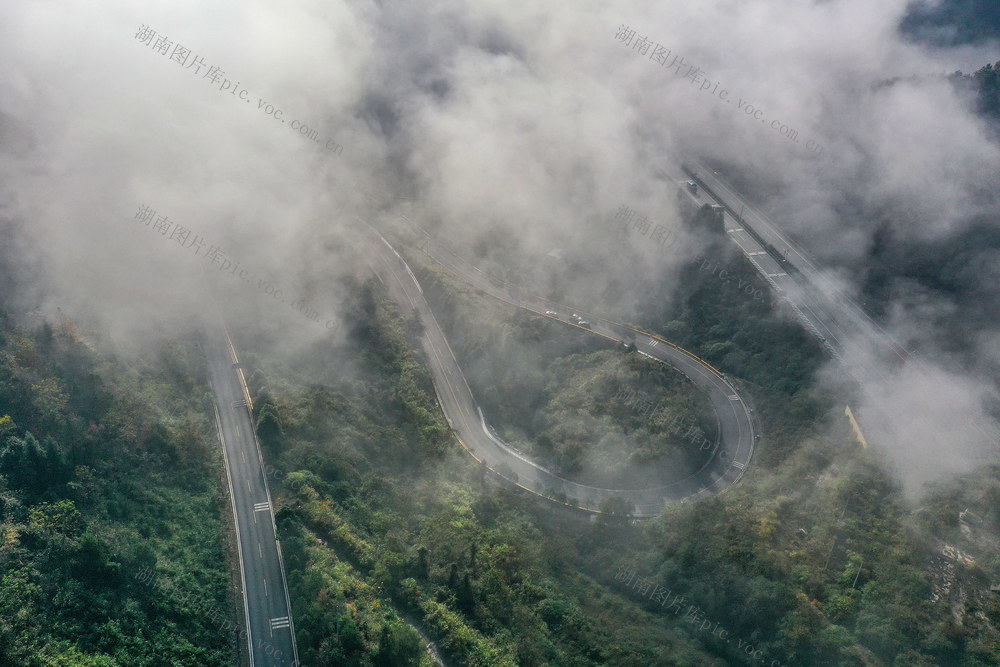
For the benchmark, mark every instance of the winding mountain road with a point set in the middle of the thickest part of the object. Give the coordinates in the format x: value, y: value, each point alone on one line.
x: 730, y: 457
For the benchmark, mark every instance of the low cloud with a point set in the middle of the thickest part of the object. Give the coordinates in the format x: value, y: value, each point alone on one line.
x: 523, y: 124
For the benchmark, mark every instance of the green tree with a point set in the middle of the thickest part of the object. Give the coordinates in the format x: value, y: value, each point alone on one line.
x: 269, y: 427
x: 616, y: 509
x: 399, y: 644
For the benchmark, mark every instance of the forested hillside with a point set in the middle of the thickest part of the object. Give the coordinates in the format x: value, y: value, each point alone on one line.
x: 112, y: 543
x: 816, y: 559
x: 953, y: 21
x: 393, y: 536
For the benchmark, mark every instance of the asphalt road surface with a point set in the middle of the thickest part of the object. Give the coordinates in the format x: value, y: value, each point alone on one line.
x: 270, y: 632
x: 730, y: 456
x: 823, y: 308
x: 786, y: 287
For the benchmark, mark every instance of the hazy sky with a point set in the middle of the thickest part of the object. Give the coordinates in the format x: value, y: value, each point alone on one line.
x: 535, y: 121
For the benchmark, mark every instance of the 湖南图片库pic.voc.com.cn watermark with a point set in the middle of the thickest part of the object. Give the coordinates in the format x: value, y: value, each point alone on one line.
x: 214, y: 74
x: 218, y: 259
x: 664, y: 57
